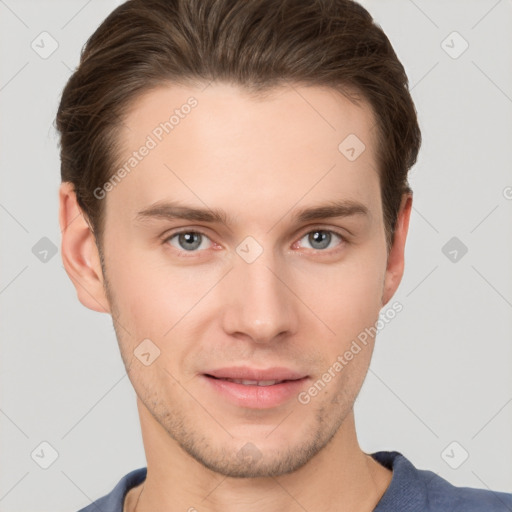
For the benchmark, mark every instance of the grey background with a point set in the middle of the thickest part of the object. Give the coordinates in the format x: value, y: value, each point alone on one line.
x: 441, y: 371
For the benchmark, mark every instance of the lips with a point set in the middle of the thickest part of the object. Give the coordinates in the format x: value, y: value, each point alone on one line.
x: 254, y: 376
x: 254, y: 388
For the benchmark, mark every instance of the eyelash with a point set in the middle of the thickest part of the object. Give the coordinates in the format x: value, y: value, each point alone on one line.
x: 188, y: 254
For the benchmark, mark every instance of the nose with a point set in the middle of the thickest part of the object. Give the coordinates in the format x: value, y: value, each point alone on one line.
x: 260, y: 305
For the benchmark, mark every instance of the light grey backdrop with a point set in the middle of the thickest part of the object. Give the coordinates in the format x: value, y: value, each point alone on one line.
x: 440, y: 385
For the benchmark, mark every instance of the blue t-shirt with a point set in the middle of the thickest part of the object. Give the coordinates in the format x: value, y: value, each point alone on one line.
x: 410, y: 490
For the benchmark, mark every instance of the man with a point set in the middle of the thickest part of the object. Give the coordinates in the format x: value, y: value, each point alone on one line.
x: 274, y: 140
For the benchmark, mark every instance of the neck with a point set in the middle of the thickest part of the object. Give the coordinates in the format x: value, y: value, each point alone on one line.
x: 339, y: 478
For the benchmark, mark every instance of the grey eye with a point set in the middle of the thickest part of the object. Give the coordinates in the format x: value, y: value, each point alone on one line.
x: 188, y: 240
x: 320, y: 239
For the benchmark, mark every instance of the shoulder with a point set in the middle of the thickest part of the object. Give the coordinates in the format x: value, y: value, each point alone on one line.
x: 114, y: 500
x: 443, y: 495
x: 415, y: 489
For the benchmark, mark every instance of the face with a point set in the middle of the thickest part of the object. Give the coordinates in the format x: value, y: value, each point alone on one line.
x: 283, y: 267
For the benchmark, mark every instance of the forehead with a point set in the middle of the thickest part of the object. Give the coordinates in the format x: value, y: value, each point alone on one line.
x: 294, y: 112
x: 221, y: 146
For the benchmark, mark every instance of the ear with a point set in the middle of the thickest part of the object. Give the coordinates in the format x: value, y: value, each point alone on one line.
x: 395, y: 263
x: 79, y: 252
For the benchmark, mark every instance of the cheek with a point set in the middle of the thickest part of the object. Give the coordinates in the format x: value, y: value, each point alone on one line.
x: 350, y: 307
x: 152, y: 296
x: 153, y: 303
x: 346, y: 296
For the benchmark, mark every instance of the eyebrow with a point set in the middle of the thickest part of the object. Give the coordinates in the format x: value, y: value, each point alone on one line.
x: 170, y: 210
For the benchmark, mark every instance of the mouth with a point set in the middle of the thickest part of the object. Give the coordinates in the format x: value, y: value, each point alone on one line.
x: 255, y: 388
x: 246, y: 382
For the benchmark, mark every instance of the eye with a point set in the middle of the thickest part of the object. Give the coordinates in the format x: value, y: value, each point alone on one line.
x: 188, y: 241
x: 321, y: 239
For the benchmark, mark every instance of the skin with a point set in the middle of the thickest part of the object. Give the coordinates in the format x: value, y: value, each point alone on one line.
x: 297, y: 305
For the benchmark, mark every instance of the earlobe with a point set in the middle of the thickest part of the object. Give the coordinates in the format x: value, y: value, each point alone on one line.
x: 396, y: 261
x: 79, y: 252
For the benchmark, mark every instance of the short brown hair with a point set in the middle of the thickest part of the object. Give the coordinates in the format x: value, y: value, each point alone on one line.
x: 254, y: 44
